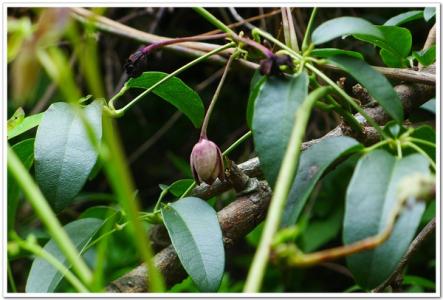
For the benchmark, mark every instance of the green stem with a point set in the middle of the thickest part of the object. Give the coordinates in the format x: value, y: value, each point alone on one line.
x: 160, y: 198
x: 120, y: 178
x: 215, y: 97
x: 119, y: 112
x: 237, y: 143
x: 213, y: 20
x: 284, y: 181
x: 307, y: 36
x: 419, y: 150
x: 47, y: 216
x: 39, y: 251
x: 399, y: 152
x: 11, y: 278
x: 420, y: 141
x: 375, y: 146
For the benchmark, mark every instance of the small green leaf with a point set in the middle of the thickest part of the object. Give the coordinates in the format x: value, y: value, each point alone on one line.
x: 25, y: 152
x: 178, y: 187
x: 418, y: 281
x: 342, y: 26
x: 64, y: 156
x: 404, y: 18
x: 376, y: 84
x: 428, y: 13
x: 328, y: 52
x: 196, y: 236
x: 273, y: 119
x: 426, y: 133
x: 175, y: 91
x: 370, y: 199
x: 16, y: 118
x: 430, y: 105
x: 25, y: 125
x: 425, y: 57
x: 257, y: 82
x: 313, y: 163
x: 43, y: 277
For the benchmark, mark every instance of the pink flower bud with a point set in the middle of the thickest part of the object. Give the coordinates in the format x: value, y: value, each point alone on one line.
x: 207, y: 162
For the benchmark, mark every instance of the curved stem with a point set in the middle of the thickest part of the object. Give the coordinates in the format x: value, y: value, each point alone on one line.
x: 420, y: 141
x: 284, y: 181
x: 215, y: 97
x: 121, y: 111
x: 214, y: 21
x: 47, y: 216
x: 422, y: 152
x: 307, y: 36
x: 237, y: 142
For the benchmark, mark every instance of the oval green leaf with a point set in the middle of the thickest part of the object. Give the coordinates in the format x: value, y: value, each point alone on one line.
x: 328, y: 52
x: 256, y: 84
x: 370, y: 198
x: 64, y: 156
x: 273, y: 119
x: 178, y: 187
x: 175, y: 91
x: 425, y: 57
x: 196, y: 236
x: 25, y: 152
x: 25, y: 125
x: 342, y: 26
x: 376, y: 84
x: 43, y: 277
x: 404, y: 18
x: 313, y: 164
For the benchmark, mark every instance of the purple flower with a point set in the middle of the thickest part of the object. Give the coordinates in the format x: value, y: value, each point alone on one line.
x: 207, y: 162
x: 271, y: 65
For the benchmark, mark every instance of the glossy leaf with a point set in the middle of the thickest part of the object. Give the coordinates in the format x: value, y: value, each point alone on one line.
x: 371, y: 196
x: 195, y: 233
x: 273, y: 119
x: 428, y: 13
x: 404, y: 18
x: 313, y: 163
x: 425, y: 57
x: 255, y: 86
x: 175, y: 91
x: 328, y: 52
x: 343, y: 26
x: 64, y: 156
x: 376, y: 84
x: 178, y: 187
x: 25, y: 152
x: 25, y: 125
x: 43, y: 277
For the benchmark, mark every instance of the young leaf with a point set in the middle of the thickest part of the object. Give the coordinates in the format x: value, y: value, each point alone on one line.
x: 342, y: 26
x: 376, y: 84
x: 404, y: 18
x: 273, y: 119
x: 64, y: 156
x: 257, y: 82
x: 313, y: 163
x: 175, y: 91
x: 370, y: 199
x: 196, y: 236
x: 24, y: 125
x: 428, y: 13
x: 178, y: 187
x: 25, y: 152
x: 16, y: 118
x: 425, y: 57
x: 43, y: 277
x: 328, y: 52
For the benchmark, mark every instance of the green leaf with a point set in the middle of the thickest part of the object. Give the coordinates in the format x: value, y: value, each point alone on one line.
x: 428, y: 13
x: 25, y: 125
x: 342, y: 26
x: 178, y: 187
x: 25, y: 152
x: 376, y: 84
x: 273, y: 119
x: 16, y: 118
x: 430, y: 105
x: 64, y: 156
x: 313, y: 163
x: 419, y: 281
x: 426, y: 133
x: 196, y: 236
x: 425, y: 57
x: 395, y: 44
x: 328, y: 52
x: 370, y: 199
x: 43, y: 277
x: 255, y: 86
x: 404, y: 18
x: 175, y: 91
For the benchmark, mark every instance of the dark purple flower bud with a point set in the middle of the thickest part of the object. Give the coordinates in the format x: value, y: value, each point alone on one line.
x: 136, y: 63
x: 207, y: 162
x: 271, y: 65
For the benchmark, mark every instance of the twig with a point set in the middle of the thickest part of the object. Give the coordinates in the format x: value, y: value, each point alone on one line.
x: 397, y: 275
x: 239, y: 18
x: 430, y: 40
